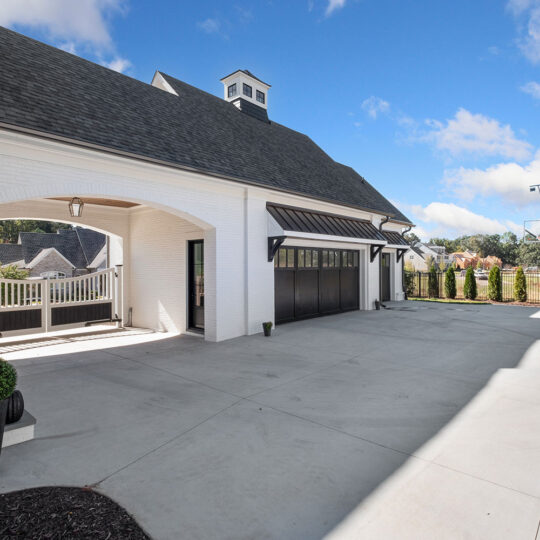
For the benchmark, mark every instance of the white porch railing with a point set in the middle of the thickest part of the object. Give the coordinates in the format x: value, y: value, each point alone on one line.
x: 41, y: 305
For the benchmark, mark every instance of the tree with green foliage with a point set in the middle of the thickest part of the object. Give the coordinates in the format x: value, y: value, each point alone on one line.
x: 10, y: 228
x: 469, y: 288
x: 520, y: 286
x: 450, y: 290
x: 10, y: 271
x: 411, y: 239
x: 479, y: 265
x: 433, y: 283
x: 495, y: 284
x: 430, y: 261
x: 528, y: 254
x: 8, y: 379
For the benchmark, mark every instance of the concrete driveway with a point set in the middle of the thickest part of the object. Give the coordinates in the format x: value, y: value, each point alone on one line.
x: 259, y: 438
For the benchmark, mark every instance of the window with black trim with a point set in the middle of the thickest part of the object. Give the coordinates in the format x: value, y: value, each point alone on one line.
x: 260, y: 96
x: 231, y: 91
x: 248, y: 91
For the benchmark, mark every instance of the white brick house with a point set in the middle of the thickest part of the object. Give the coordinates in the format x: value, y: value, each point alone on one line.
x: 221, y: 218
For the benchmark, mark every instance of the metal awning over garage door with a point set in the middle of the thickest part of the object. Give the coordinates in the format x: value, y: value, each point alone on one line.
x: 310, y: 281
x: 293, y: 219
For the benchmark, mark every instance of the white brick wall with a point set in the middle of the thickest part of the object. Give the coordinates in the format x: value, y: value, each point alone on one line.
x: 151, y: 242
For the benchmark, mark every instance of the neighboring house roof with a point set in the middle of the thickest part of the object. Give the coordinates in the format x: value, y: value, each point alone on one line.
x: 418, y: 251
x: 48, y: 90
x: 11, y: 253
x: 43, y: 254
x: 78, y: 246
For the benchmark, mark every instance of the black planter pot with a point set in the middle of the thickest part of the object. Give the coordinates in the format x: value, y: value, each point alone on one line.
x: 15, y: 407
x: 3, y: 411
x: 267, y: 331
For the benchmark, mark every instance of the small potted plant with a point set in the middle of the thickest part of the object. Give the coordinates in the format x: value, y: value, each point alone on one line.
x: 8, y: 381
x: 267, y: 327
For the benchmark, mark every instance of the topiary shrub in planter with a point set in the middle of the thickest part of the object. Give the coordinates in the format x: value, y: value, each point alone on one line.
x: 495, y: 284
x: 450, y: 283
x: 520, y: 286
x: 267, y: 328
x: 8, y: 381
x: 469, y: 288
x: 433, y: 283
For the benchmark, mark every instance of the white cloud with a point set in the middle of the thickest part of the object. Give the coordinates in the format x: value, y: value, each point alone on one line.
x: 118, y: 64
x: 529, y: 39
x: 333, y: 5
x: 447, y: 219
x: 532, y: 88
x: 510, y: 181
x: 82, y: 20
x: 375, y: 105
x: 70, y: 23
x: 210, y: 26
x: 476, y: 134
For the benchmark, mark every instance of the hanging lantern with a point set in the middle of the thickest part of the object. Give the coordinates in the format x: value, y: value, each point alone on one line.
x: 76, y: 207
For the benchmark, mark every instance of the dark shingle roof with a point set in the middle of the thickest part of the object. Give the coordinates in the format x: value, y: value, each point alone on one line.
x: 48, y: 90
x: 10, y: 253
x: 418, y: 251
x: 67, y: 242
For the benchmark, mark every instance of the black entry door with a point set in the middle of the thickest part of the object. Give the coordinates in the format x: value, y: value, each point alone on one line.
x: 196, y: 284
x: 385, y: 277
x: 311, y: 282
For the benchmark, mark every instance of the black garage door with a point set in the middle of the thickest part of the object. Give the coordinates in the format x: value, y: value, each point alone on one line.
x: 311, y: 282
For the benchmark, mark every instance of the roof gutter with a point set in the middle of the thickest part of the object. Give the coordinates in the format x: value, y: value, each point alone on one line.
x: 169, y: 164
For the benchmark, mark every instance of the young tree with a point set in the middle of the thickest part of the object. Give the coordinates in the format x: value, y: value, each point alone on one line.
x: 479, y: 265
x: 469, y: 288
x: 433, y: 283
x: 412, y: 239
x: 450, y: 283
x: 520, y: 286
x: 430, y: 261
x: 495, y: 284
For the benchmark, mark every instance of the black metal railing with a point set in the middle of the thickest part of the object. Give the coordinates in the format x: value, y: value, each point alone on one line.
x: 417, y: 285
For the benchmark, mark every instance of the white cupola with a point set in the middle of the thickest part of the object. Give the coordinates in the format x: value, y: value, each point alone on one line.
x: 247, y: 93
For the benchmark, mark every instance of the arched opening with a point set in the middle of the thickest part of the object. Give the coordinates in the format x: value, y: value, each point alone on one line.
x: 161, y: 250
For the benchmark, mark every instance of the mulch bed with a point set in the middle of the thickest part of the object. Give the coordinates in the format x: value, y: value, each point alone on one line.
x: 47, y: 513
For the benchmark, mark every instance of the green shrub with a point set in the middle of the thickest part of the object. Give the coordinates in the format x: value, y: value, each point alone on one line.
x: 469, y: 288
x: 8, y: 379
x: 520, y: 286
x: 409, y: 282
x: 450, y: 283
x: 495, y: 284
x: 433, y: 283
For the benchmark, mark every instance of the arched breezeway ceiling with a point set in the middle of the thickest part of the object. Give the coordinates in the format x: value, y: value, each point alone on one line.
x: 56, y: 209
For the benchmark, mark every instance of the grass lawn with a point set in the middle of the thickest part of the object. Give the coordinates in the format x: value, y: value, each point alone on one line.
x: 447, y: 300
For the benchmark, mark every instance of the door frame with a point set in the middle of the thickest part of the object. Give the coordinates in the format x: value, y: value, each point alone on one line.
x: 190, y: 282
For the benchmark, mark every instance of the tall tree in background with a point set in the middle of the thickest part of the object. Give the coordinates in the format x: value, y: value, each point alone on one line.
x: 10, y: 229
x: 411, y: 239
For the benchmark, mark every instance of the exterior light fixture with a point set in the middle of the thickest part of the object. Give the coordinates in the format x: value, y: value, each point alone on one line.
x: 76, y: 207
x: 535, y: 187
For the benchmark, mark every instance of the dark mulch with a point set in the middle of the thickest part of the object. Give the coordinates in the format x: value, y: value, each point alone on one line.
x: 64, y: 512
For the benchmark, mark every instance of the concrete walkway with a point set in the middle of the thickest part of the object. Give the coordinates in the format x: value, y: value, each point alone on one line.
x: 390, y: 424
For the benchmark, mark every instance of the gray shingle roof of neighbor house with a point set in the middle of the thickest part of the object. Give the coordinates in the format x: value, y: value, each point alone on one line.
x: 47, y: 90
x: 417, y: 251
x: 67, y: 242
x: 10, y: 253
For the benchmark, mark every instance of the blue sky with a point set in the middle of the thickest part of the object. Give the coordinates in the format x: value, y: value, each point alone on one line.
x: 435, y: 103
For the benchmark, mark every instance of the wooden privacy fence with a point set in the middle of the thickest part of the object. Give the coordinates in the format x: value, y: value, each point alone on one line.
x: 43, y: 305
x: 418, y: 286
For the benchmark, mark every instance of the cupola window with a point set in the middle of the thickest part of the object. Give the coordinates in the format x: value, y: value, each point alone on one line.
x: 260, y: 96
x: 231, y: 91
x: 248, y: 91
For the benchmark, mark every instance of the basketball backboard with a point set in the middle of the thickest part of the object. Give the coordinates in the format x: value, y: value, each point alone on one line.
x: 531, y: 231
